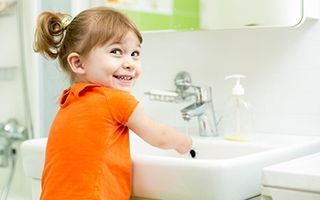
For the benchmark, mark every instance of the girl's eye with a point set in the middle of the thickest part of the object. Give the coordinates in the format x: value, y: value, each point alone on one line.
x: 135, y: 53
x: 116, y: 51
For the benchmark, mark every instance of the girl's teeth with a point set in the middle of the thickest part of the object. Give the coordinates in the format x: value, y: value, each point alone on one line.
x: 124, y: 77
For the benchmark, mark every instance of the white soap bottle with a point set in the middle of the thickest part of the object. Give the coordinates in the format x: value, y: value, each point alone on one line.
x: 237, y: 115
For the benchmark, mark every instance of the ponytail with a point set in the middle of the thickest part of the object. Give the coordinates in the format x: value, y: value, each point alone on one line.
x: 50, y: 33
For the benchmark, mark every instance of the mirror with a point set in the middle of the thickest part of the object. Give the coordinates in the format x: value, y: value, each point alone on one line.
x: 156, y: 15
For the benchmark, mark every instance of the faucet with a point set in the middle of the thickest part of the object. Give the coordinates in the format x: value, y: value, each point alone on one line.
x: 10, y: 132
x: 202, y: 108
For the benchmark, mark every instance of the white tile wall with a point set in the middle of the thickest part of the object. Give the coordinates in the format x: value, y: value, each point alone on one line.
x: 10, y: 89
x: 282, y: 66
x: 11, y: 100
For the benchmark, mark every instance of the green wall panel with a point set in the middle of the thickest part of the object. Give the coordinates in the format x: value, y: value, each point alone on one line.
x: 185, y: 17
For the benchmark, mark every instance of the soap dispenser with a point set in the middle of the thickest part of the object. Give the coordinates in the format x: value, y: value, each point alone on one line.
x: 237, y: 114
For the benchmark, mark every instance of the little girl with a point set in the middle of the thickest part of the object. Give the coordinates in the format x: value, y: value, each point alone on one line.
x: 88, y: 155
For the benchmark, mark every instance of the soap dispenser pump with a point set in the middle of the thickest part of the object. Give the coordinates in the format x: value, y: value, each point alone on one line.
x: 237, y: 115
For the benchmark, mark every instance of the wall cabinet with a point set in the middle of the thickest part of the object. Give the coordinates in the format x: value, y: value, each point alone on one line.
x: 230, y: 14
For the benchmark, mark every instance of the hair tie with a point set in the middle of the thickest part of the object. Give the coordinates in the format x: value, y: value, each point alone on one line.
x: 66, y: 20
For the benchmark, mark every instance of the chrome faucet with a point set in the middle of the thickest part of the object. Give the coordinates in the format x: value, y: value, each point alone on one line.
x: 202, y: 108
x: 10, y: 132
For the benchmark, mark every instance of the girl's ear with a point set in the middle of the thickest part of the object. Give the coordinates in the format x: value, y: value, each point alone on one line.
x: 75, y: 63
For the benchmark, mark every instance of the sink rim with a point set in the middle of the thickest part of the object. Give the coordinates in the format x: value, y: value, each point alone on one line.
x: 255, y: 142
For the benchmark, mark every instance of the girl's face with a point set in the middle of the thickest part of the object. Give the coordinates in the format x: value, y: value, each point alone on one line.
x: 116, y: 64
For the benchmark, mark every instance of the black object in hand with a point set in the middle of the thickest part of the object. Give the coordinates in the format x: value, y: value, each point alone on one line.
x: 193, y: 153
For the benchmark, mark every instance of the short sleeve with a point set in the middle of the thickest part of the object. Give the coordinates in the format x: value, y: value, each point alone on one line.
x: 122, y: 105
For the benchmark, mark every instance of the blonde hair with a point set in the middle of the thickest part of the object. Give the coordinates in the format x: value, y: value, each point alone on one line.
x: 89, y: 29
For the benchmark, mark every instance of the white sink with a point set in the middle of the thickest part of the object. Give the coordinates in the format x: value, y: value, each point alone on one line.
x: 222, y: 170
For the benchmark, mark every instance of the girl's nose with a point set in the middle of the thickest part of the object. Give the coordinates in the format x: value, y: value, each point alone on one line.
x: 128, y: 67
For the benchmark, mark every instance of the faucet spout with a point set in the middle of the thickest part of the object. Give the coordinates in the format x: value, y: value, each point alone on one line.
x: 206, y: 119
x: 203, y: 109
x: 193, y: 110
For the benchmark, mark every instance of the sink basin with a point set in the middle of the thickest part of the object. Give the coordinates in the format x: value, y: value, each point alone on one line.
x: 221, y: 170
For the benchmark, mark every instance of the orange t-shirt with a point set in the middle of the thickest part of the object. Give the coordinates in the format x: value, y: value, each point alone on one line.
x: 88, y: 155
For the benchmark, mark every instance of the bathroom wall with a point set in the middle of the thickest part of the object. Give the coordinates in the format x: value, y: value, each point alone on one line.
x: 11, y: 101
x: 281, y: 65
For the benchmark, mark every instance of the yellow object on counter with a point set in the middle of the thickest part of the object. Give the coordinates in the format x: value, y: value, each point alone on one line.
x: 237, y: 138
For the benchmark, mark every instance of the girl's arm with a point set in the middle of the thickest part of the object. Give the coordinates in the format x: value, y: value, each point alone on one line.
x: 157, y: 134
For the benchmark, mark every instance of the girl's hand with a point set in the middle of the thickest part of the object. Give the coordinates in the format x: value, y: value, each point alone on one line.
x: 185, y: 145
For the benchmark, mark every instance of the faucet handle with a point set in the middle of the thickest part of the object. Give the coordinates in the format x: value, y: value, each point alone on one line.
x: 204, y: 93
x: 182, y: 81
x: 13, y: 130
